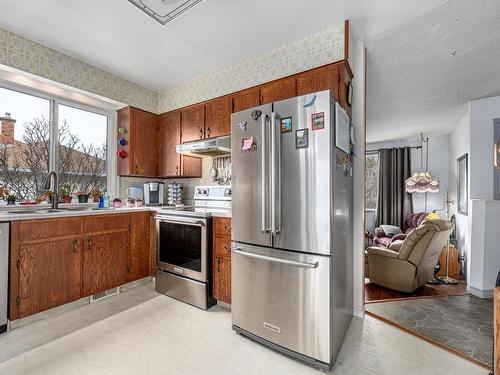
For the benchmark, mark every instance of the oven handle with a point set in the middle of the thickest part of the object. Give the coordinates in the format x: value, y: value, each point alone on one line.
x: 201, y: 223
x: 238, y: 250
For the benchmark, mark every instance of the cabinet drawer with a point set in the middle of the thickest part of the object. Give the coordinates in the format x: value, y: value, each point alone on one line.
x: 31, y: 230
x: 222, y: 226
x: 103, y: 223
x: 222, y: 246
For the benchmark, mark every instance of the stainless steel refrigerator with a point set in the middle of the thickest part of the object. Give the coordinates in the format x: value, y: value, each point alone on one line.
x: 291, y: 226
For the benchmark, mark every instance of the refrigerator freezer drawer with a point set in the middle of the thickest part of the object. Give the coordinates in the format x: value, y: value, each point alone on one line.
x: 284, y: 298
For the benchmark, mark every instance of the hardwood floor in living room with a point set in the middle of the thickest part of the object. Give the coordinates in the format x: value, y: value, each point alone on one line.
x: 377, y: 293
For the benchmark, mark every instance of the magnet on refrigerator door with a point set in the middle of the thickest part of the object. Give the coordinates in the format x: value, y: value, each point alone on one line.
x: 286, y: 125
x: 318, y: 121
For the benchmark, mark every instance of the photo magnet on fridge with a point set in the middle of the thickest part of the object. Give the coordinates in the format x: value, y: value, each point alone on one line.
x: 302, y: 138
x: 286, y: 125
x: 249, y: 144
x: 318, y: 121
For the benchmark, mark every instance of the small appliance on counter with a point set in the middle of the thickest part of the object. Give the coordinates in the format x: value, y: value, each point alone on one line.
x: 185, y: 246
x: 174, y: 194
x: 154, y: 192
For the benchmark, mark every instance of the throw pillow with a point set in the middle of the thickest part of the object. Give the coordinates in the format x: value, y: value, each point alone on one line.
x: 391, y: 230
x: 432, y: 216
x: 396, y: 245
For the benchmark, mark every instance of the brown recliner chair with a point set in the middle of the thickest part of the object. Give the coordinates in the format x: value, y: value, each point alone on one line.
x: 410, y: 264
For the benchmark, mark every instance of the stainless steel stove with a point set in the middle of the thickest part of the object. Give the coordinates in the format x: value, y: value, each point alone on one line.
x: 184, y: 246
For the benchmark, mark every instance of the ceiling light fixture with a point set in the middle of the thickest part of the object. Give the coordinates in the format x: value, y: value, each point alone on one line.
x: 164, y: 11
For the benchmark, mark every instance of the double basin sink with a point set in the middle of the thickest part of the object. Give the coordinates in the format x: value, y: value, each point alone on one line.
x: 45, y: 211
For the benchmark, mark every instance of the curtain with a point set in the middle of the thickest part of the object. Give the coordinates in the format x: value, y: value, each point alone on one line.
x: 394, y: 203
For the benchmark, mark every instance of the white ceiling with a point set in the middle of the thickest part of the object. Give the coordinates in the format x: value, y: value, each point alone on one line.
x: 116, y: 36
x: 422, y: 73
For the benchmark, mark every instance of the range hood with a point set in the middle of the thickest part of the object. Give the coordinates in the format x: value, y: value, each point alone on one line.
x: 206, y: 148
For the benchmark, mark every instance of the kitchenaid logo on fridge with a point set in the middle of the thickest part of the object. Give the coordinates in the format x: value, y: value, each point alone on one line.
x: 272, y: 327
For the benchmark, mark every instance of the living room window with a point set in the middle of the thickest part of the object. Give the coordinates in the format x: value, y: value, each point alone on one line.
x: 40, y: 134
x: 371, y: 180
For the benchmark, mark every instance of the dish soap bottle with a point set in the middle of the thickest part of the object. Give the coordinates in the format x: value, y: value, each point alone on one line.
x: 106, y: 200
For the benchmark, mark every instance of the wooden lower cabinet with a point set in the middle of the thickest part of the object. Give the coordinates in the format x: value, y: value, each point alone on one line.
x: 140, y: 246
x: 221, y: 266
x: 222, y: 279
x: 104, y: 262
x: 92, y: 254
x: 49, y: 274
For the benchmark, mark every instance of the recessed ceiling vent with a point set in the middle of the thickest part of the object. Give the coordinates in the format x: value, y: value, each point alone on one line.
x: 164, y: 10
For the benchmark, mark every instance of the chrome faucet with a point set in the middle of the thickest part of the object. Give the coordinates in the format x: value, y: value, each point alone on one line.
x: 51, y: 185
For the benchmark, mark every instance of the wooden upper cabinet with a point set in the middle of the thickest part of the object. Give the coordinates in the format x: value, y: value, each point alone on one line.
x: 345, y: 78
x: 218, y: 117
x: 318, y: 80
x: 193, y: 123
x: 246, y: 99
x: 279, y: 90
x: 191, y: 166
x: 169, y: 136
x: 140, y: 135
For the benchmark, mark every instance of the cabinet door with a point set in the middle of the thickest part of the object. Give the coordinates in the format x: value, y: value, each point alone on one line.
x: 193, y: 123
x: 318, y: 80
x: 345, y: 78
x: 49, y: 274
x: 143, y: 143
x: 222, y: 279
x: 169, y: 136
x: 139, y: 258
x: 104, y: 262
x: 218, y: 117
x: 282, y: 89
x: 246, y: 99
x: 191, y: 167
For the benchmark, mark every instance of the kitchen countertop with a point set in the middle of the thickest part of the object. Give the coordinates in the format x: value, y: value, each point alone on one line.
x: 18, y: 213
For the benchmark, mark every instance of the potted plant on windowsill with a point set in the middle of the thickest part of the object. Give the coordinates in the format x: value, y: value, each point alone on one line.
x: 65, y: 193
x: 83, y: 197
x: 11, y: 199
x: 95, y: 194
x: 4, y: 193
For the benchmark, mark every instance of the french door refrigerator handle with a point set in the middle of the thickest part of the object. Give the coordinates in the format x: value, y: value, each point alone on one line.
x: 237, y: 250
x: 275, y: 176
x: 273, y: 173
x: 264, y: 189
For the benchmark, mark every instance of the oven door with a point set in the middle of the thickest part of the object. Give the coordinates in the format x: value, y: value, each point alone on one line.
x: 182, y: 246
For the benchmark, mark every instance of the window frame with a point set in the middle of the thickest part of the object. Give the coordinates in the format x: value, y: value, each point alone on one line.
x: 112, y: 182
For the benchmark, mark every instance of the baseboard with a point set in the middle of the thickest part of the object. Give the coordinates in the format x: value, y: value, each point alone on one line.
x: 13, y: 324
x: 358, y: 313
x: 488, y: 293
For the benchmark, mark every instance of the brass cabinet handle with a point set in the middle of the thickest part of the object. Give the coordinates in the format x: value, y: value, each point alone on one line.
x: 201, y: 133
x: 218, y: 263
x: 227, y: 248
x: 89, y: 243
x: 177, y: 170
x: 75, y: 243
x: 208, y: 132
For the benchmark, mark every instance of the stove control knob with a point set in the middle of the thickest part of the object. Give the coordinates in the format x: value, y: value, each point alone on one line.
x: 227, y: 192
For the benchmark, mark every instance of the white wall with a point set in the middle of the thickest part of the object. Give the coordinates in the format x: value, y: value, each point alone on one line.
x: 483, y: 112
x: 438, y: 167
x: 358, y: 120
x: 485, y: 237
x: 460, y: 145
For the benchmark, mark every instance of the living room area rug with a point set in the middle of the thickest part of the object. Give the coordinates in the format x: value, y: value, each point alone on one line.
x: 462, y: 324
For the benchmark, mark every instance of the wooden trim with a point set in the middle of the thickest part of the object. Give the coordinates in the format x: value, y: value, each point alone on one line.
x: 412, y: 298
x: 429, y: 340
x: 346, y: 39
x: 342, y: 62
x: 496, y: 335
x: 14, y: 271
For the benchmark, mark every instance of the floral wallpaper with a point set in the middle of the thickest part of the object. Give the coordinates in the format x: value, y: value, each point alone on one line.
x: 31, y: 57
x: 314, y: 50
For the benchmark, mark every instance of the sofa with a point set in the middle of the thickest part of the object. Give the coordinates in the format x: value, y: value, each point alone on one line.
x: 408, y: 264
x: 411, y: 222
